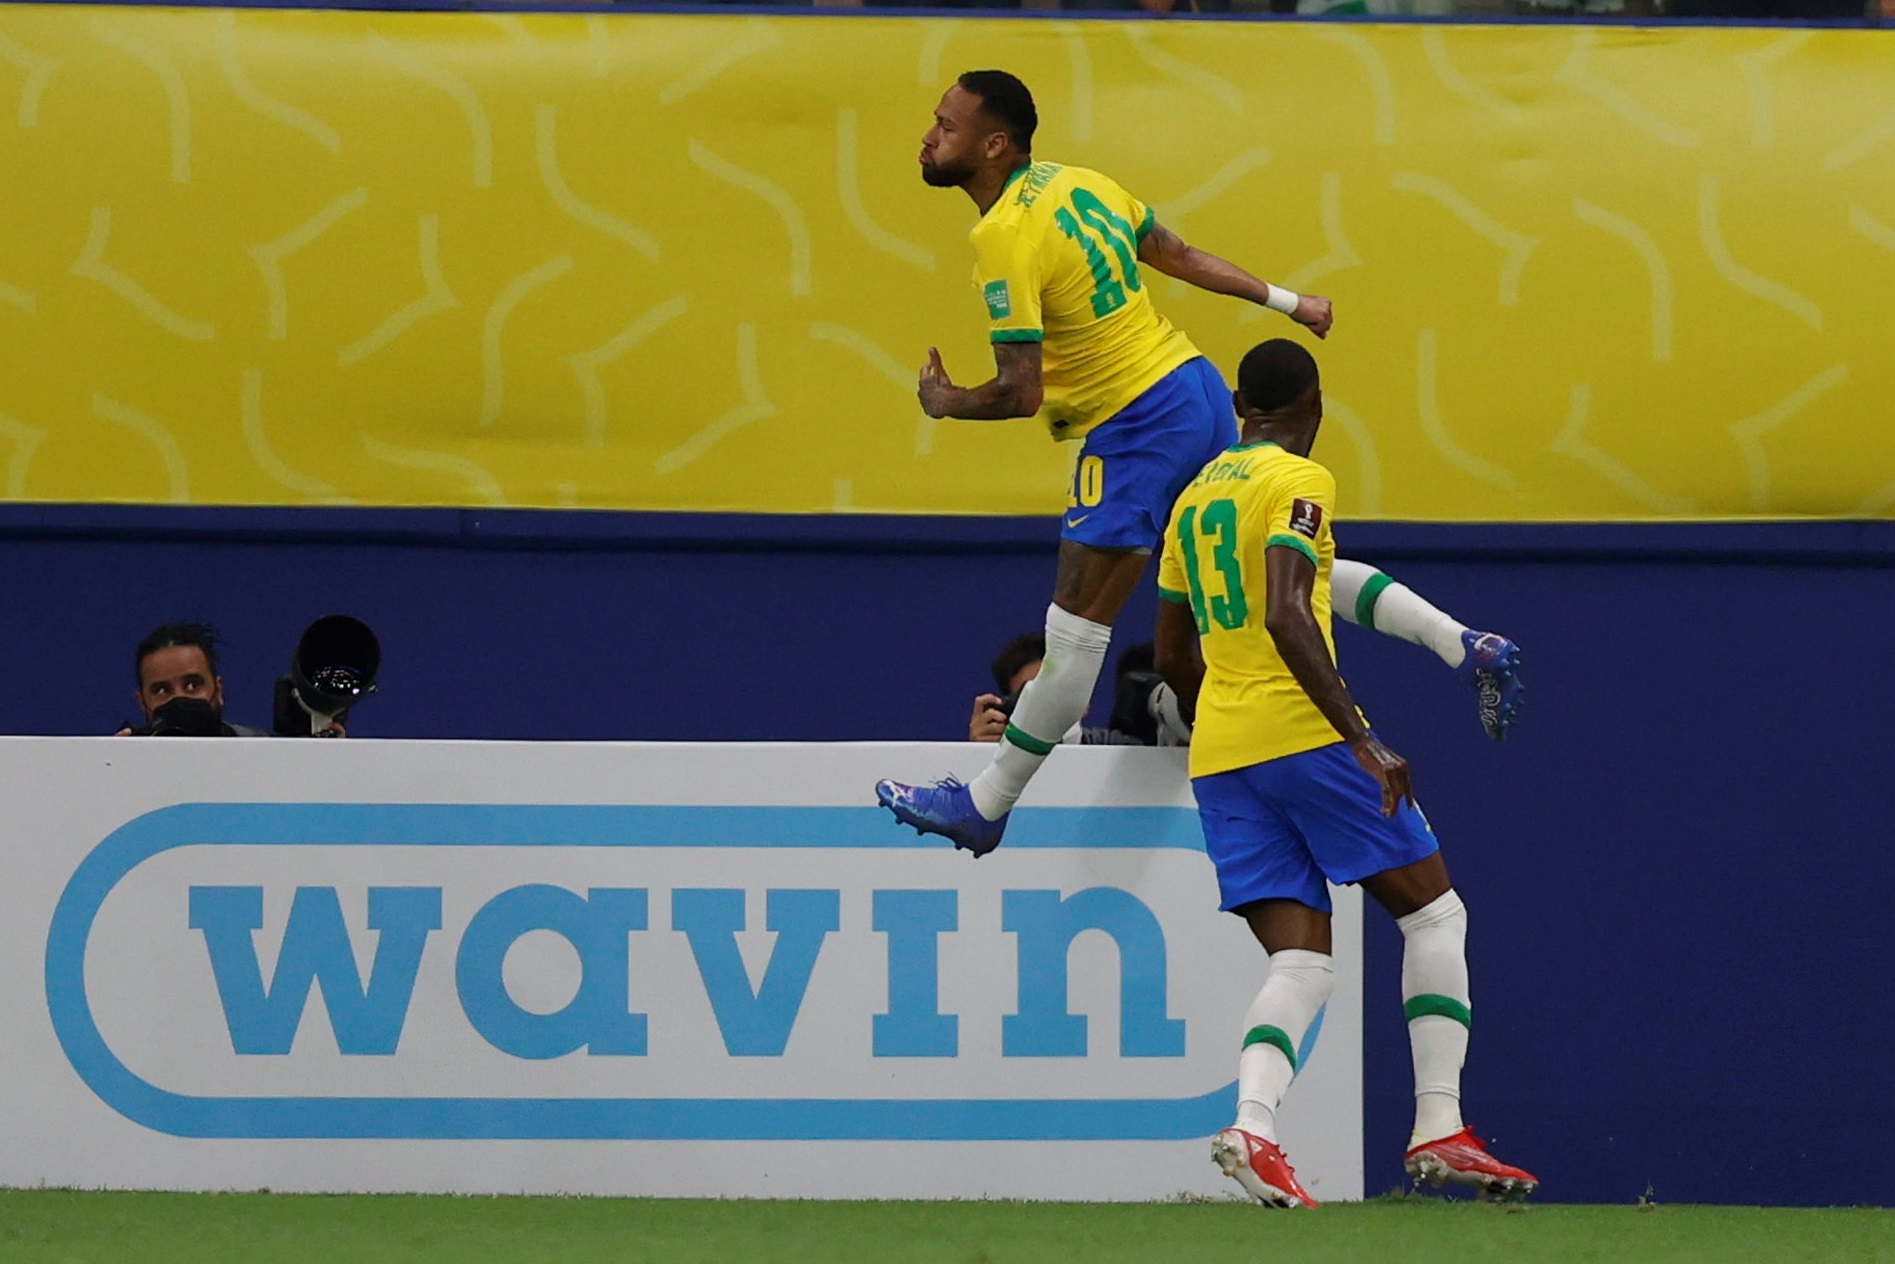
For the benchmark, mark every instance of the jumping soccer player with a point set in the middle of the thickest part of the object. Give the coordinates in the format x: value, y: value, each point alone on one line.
x: 1294, y: 789
x: 1059, y: 257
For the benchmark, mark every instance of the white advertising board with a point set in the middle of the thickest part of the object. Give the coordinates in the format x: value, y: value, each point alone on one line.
x: 640, y: 969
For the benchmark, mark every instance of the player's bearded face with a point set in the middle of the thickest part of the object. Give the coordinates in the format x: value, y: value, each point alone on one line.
x: 949, y: 149
x: 945, y: 173
x: 945, y: 160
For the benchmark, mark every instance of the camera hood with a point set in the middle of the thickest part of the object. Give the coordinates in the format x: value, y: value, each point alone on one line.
x: 335, y: 664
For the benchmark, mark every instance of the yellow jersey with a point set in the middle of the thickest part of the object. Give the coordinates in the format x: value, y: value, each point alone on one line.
x: 1056, y: 261
x: 1248, y: 499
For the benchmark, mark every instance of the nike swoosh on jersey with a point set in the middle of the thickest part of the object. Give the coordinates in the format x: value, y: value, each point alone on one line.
x: 1073, y: 522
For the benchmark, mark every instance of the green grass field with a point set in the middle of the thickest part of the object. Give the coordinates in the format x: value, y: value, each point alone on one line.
x: 71, y: 1227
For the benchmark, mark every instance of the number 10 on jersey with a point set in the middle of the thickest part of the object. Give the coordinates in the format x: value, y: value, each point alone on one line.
x: 1088, y: 483
x: 1087, y: 211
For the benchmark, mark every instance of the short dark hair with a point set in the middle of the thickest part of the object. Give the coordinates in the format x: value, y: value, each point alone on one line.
x: 1275, y: 374
x: 169, y: 635
x: 1007, y: 101
x: 1015, y: 654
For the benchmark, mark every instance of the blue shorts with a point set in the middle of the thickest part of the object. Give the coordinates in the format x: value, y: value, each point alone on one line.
x: 1135, y: 463
x: 1278, y: 829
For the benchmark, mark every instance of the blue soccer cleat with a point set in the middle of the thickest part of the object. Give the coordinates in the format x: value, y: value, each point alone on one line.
x: 1492, y: 670
x: 945, y: 808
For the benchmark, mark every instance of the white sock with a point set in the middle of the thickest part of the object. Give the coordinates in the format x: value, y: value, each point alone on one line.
x: 1049, y: 706
x: 1435, y: 998
x: 1274, y: 1026
x: 1368, y: 598
x: 1346, y: 582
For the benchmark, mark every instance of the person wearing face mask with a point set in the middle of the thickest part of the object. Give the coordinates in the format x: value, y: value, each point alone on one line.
x: 180, y: 693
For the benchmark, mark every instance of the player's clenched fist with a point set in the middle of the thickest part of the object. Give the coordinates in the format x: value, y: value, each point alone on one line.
x: 1314, y: 313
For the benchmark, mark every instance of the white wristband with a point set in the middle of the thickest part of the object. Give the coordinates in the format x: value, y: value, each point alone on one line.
x: 1281, y: 300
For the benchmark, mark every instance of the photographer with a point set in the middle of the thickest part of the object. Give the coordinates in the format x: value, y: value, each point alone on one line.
x: 1019, y: 662
x: 180, y: 693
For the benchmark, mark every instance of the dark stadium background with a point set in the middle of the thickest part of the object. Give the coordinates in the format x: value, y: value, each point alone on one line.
x: 1676, y: 872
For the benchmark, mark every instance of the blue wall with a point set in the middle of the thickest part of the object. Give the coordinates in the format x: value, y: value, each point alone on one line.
x: 1675, y: 877
x: 541, y: 625
x: 1680, y: 979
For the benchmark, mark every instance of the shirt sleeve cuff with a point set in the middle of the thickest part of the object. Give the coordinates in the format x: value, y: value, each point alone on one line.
x: 1018, y: 335
x: 1177, y: 598
x: 1296, y: 542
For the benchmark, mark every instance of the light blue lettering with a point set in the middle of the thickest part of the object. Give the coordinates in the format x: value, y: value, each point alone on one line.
x: 315, y: 950
x: 755, y: 1022
x: 1047, y: 925
x: 597, y: 925
x: 914, y: 1026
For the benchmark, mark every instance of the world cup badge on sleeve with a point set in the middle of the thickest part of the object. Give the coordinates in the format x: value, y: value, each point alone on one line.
x: 1306, y: 518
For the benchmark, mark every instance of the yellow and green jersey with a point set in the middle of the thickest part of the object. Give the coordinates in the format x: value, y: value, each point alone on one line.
x: 1250, y: 498
x: 1056, y: 260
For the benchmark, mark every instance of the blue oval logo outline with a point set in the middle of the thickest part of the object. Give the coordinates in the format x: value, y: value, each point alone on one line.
x: 561, y: 1119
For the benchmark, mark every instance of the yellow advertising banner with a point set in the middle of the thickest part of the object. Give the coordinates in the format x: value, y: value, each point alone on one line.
x: 668, y: 262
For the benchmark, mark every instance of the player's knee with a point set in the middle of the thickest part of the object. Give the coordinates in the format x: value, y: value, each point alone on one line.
x: 1312, y: 974
x: 1068, y: 632
x: 1445, y: 911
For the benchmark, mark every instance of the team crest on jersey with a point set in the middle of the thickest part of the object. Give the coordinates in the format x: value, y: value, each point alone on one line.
x: 1306, y: 518
x: 999, y: 303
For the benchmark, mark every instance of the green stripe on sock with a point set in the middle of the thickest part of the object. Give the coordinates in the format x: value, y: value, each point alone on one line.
x: 1027, y: 742
x: 1267, y: 1035
x: 1446, y: 1006
x: 1365, y: 600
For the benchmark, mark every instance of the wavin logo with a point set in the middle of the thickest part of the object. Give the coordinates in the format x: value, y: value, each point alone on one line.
x: 315, y: 970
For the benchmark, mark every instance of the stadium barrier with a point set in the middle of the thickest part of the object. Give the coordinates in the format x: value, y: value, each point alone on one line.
x: 626, y: 969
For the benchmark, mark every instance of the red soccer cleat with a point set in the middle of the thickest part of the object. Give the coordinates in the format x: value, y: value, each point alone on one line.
x: 1259, y: 1166
x: 1463, y: 1159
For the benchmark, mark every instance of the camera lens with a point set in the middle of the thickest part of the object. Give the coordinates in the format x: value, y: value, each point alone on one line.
x: 342, y: 684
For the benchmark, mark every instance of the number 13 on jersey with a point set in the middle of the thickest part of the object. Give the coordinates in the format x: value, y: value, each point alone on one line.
x: 1217, y: 526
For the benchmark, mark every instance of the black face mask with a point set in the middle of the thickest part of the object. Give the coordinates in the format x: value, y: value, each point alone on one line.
x: 187, y: 717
